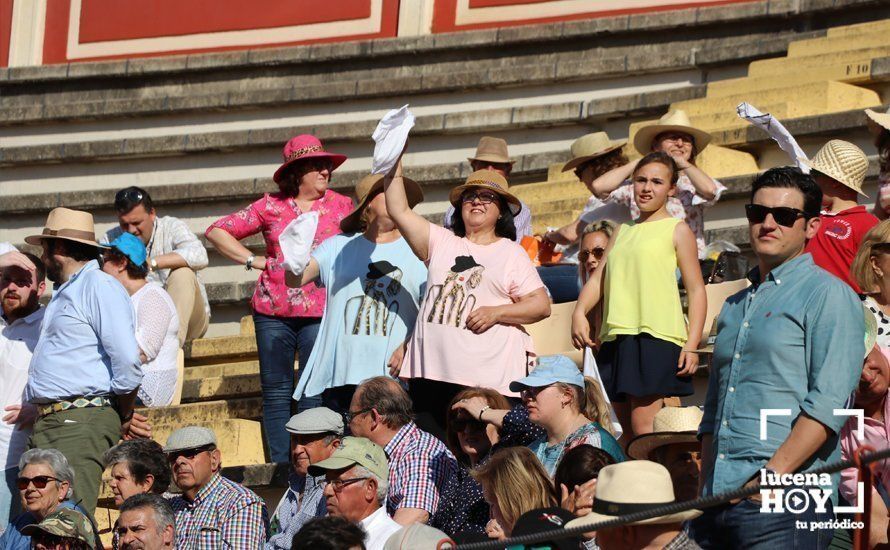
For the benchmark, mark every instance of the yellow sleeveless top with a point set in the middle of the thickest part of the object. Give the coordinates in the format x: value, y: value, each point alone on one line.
x: 640, y: 290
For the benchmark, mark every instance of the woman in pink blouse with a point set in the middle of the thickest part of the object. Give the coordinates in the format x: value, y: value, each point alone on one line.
x: 286, y: 319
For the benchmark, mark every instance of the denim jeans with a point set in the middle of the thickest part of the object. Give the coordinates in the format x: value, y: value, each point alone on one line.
x: 744, y: 526
x: 10, y: 499
x: 561, y: 281
x: 279, y: 340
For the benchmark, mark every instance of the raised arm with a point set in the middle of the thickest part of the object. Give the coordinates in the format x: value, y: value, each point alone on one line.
x: 687, y: 261
x: 613, y: 179
x: 566, y: 234
x: 704, y: 185
x: 414, y: 227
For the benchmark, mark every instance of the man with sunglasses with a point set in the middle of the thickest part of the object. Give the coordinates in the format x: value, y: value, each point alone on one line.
x: 212, y: 511
x: 356, y: 487
x: 792, y: 341
x: 175, y: 255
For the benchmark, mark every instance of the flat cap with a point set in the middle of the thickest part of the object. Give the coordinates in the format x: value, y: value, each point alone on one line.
x: 352, y: 451
x: 190, y: 437
x: 319, y: 420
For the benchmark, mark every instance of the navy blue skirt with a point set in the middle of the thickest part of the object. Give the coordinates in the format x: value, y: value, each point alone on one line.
x: 641, y: 365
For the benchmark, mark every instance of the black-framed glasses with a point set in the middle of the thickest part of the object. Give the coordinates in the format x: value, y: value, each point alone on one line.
x: 484, y: 197
x: 881, y: 248
x: 128, y: 197
x: 461, y: 424
x: 39, y: 482
x: 338, y: 484
x: 312, y: 165
x: 188, y: 454
x: 350, y: 415
x: 597, y: 253
x: 784, y: 215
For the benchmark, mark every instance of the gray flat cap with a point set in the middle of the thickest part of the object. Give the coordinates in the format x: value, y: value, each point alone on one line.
x: 319, y: 420
x: 190, y: 437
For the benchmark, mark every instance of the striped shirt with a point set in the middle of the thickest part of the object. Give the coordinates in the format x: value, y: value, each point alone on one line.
x: 303, y: 500
x: 419, y: 465
x: 223, y: 515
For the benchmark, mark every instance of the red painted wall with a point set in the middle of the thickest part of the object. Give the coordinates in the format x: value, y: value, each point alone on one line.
x: 5, y: 31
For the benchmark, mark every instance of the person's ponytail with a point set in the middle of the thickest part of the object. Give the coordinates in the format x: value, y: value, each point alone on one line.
x: 593, y: 404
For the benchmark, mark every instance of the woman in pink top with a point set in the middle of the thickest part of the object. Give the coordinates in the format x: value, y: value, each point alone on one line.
x: 286, y: 319
x: 480, y: 289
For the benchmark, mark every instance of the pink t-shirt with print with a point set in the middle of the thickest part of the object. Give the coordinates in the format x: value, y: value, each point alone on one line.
x: 464, y: 276
x: 270, y: 215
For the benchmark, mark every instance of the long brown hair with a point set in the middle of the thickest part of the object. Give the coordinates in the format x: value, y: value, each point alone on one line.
x: 515, y: 477
x: 494, y: 400
x: 590, y: 402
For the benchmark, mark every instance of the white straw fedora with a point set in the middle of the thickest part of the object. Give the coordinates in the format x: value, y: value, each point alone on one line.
x: 881, y: 119
x: 841, y: 161
x: 633, y: 486
x: 673, y: 121
x: 671, y: 425
x: 67, y: 224
x: 591, y: 146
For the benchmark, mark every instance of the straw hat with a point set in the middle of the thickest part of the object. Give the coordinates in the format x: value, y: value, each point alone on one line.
x: 69, y: 225
x: 364, y: 192
x: 492, y: 149
x: 881, y: 119
x: 633, y: 486
x: 487, y: 179
x: 843, y: 162
x: 671, y: 425
x: 305, y: 146
x: 590, y: 147
x: 672, y: 121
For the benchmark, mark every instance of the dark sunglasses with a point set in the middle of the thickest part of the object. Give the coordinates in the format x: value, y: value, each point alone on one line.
x: 784, y: 215
x: 38, y: 481
x: 461, y: 424
x: 484, y: 197
x: 188, y: 454
x: 597, y: 252
x: 881, y: 248
x: 312, y: 165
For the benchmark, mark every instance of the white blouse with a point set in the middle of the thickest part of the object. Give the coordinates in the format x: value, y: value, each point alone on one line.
x: 157, y: 332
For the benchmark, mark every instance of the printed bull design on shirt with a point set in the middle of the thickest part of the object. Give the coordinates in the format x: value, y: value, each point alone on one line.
x: 377, y: 307
x: 453, y: 297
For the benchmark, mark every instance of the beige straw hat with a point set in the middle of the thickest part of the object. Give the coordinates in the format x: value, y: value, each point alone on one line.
x: 488, y: 179
x: 590, y: 147
x: 633, y: 486
x: 671, y: 425
x: 369, y: 185
x: 673, y: 121
x: 881, y: 119
x: 67, y: 224
x: 492, y: 149
x: 843, y: 162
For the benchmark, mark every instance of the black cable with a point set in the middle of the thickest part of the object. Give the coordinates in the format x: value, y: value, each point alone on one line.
x: 673, y: 508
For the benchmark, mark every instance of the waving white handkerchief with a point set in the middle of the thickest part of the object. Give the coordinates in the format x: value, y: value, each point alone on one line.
x: 390, y: 137
x: 296, y: 242
x: 769, y: 124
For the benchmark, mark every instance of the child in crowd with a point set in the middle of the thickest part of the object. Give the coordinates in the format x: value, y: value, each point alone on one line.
x: 647, y: 352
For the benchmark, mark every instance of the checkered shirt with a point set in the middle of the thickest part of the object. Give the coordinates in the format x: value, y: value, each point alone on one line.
x: 223, y: 515
x: 419, y: 464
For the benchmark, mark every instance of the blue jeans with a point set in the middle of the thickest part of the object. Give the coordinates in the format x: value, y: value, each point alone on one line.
x: 744, y: 526
x: 561, y: 281
x: 10, y: 501
x: 279, y: 340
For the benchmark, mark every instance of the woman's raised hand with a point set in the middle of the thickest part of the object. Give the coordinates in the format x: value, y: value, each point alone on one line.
x: 472, y: 406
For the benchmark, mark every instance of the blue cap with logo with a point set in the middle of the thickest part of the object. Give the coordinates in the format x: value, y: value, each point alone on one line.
x: 551, y: 369
x: 131, y: 247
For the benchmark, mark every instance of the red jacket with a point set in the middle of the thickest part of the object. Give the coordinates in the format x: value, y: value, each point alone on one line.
x: 835, y: 245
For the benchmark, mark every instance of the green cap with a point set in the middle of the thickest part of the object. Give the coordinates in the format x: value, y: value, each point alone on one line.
x: 352, y: 451
x: 64, y: 522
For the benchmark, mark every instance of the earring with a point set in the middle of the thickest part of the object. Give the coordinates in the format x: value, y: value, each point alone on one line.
x: 879, y: 273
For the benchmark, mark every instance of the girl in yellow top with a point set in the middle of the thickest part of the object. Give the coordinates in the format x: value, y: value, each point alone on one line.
x: 647, y: 352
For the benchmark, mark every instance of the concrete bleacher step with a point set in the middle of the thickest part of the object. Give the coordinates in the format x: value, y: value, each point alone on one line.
x: 850, y: 73
x: 249, y: 408
x: 851, y: 31
x: 778, y: 65
x: 831, y: 44
x: 237, y: 368
x: 205, y: 350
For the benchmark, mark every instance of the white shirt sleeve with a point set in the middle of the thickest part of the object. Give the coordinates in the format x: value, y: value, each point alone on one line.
x: 153, y: 318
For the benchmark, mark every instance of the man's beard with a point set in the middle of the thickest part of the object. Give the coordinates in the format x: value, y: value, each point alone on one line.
x: 21, y: 309
x: 54, y: 271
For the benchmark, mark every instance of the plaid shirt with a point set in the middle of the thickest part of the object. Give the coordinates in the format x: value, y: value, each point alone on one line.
x: 419, y: 465
x: 223, y: 515
x: 682, y: 542
x: 303, y: 500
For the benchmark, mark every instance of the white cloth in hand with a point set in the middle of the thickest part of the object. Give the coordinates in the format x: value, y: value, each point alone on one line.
x: 769, y: 124
x: 390, y: 137
x: 296, y: 242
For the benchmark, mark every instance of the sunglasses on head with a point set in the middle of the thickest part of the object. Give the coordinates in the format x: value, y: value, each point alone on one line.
x: 39, y: 482
x: 188, y: 454
x: 784, y: 215
x: 597, y: 253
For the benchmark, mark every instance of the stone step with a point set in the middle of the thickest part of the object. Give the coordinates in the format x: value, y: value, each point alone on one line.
x: 831, y: 44
x: 207, y: 350
x: 779, y: 65
x: 197, y: 373
x: 859, y: 29
x: 730, y: 120
x: 249, y: 408
x: 536, y: 192
x: 221, y: 387
x: 850, y: 73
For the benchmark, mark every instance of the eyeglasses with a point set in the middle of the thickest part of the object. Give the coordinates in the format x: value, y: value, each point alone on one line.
x: 461, y: 424
x: 597, y: 252
x: 38, y: 481
x: 784, y: 215
x: 678, y: 137
x: 311, y: 165
x: 188, y: 454
x: 531, y: 393
x: 350, y: 416
x: 484, y: 197
x: 128, y: 196
x: 881, y: 248
x: 338, y: 484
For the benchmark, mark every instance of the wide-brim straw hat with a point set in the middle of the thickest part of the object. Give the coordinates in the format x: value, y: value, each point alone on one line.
x: 629, y: 487
x: 305, y: 146
x: 492, y: 149
x: 843, y: 162
x: 486, y: 179
x: 673, y: 121
x: 671, y: 425
x: 366, y: 189
x: 590, y: 147
x: 881, y: 119
x: 69, y: 225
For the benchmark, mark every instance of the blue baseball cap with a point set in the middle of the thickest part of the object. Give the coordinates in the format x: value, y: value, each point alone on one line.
x: 551, y: 369
x: 131, y: 247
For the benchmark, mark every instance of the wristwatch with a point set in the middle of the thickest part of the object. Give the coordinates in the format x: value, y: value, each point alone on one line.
x: 248, y: 263
x: 153, y: 265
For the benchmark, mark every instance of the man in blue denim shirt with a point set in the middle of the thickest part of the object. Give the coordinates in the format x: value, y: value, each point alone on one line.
x: 792, y: 340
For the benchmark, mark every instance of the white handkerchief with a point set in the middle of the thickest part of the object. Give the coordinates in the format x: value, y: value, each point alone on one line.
x: 296, y: 242
x: 390, y: 137
x: 779, y: 133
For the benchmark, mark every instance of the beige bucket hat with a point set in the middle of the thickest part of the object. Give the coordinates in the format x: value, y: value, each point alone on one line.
x: 881, y: 119
x: 843, y: 162
x: 676, y: 120
x: 633, y: 486
x: 671, y: 425
x: 487, y: 179
x: 67, y: 224
x: 364, y: 192
x: 591, y: 146
x: 492, y: 149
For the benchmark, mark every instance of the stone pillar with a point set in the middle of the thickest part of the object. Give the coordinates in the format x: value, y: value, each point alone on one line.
x: 26, y: 36
x: 415, y: 17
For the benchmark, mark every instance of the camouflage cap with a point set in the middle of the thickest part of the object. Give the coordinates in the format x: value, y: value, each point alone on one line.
x: 64, y: 522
